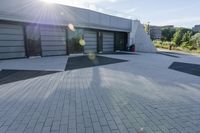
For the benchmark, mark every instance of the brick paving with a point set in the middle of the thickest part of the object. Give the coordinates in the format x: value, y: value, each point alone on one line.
x: 108, y: 99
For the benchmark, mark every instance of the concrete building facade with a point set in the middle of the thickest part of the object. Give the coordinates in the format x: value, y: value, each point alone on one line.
x: 33, y: 28
x: 155, y: 32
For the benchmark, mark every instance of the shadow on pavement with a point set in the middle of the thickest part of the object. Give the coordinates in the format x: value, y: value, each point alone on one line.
x: 189, y: 68
x: 119, y: 53
x: 9, y: 76
x: 84, y: 62
x: 168, y: 54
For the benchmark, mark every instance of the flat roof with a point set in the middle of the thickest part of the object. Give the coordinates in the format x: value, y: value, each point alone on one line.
x: 57, y: 14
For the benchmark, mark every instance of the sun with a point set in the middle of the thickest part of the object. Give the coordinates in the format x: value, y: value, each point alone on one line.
x: 49, y: 1
x: 59, y: 1
x: 76, y: 3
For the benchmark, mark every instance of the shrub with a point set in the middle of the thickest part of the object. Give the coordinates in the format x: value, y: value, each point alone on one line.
x: 192, y: 48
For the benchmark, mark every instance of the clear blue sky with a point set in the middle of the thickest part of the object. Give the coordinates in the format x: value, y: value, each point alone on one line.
x: 184, y: 13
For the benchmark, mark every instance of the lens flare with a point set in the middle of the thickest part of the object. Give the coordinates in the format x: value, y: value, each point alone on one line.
x: 82, y: 42
x: 61, y: 13
x: 71, y: 27
x: 141, y: 130
x: 48, y: 1
x: 91, y: 55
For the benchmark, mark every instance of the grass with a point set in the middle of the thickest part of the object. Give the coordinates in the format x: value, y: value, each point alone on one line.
x: 159, y: 44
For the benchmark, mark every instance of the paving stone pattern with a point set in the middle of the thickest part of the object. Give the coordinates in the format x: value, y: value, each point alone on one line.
x: 96, y: 100
x: 9, y: 76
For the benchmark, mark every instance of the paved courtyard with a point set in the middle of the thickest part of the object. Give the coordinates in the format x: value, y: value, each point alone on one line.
x: 141, y: 95
x: 54, y: 63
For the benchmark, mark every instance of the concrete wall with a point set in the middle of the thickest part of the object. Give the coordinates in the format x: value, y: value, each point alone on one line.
x: 36, y: 11
x: 39, y: 12
x: 140, y: 38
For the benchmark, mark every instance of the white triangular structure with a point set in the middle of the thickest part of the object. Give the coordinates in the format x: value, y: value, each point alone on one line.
x: 140, y: 38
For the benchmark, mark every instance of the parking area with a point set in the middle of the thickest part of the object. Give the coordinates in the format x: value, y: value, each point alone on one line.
x: 140, y: 94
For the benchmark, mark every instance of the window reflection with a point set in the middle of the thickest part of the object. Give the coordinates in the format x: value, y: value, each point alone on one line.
x: 74, y: 38
x: 33, y: 40
x: 121, y: 41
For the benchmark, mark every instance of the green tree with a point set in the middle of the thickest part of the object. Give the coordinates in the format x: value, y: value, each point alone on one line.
x: 186, y: 37
x: 167, y: 34
x: 195, y: 40
x: 177, y: 38
x: 182, y: 35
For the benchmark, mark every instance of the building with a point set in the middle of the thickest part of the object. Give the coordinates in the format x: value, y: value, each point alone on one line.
x: 33, y: 28
x: 155, y: 32
x: 196, y: 28
x: 167, y: 26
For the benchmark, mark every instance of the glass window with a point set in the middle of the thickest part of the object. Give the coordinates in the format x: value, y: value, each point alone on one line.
x: 74, y: 38
x: 33, y: 40
x: 121, y: 41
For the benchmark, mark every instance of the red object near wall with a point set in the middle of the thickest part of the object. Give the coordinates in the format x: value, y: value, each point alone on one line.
x: 132, y: 48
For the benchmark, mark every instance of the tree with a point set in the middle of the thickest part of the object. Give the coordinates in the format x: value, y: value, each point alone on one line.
x: 178, y: 37
x: 182, y: 35
x: 186, y: 37
x: 195, y: 40
x: 167, y: 34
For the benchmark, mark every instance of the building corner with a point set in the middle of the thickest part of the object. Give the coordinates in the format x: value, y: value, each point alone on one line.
x: 140, y: 38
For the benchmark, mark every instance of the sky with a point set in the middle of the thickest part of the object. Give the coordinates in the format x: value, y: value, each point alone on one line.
x: 181, y: 13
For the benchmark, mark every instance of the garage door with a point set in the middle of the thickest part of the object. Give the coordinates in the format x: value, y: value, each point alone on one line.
x: 108, y: 42
x: 90, y: 38
x: 53, y: 40
x: 11, y: 41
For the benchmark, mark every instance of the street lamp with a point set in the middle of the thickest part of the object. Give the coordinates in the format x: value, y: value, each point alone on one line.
x: 148, y: 27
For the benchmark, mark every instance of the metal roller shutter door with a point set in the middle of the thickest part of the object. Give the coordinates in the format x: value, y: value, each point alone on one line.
x: 11, y: 41
x: 53, y: 40
x: 108, y: 42
x: 90, y: 38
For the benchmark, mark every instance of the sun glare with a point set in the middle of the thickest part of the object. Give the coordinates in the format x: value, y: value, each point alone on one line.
x: 65, y: 2
x: 48, y: 1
